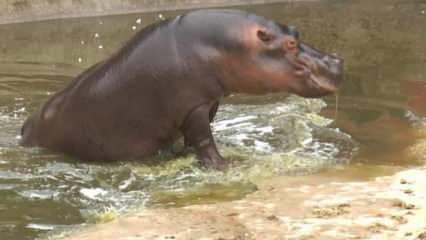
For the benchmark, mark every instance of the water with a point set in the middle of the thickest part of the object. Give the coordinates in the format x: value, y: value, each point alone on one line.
x: 380, y: 115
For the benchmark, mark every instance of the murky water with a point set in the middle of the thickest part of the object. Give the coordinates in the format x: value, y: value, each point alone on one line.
x: 380, y: 112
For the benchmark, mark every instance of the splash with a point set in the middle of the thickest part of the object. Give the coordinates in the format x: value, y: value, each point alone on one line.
x: 259, y: 141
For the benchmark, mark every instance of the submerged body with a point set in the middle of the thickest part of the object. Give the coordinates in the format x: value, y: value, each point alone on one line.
x: 167, y: 82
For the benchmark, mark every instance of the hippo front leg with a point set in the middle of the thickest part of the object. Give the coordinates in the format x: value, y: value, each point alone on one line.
x: 197, y: 132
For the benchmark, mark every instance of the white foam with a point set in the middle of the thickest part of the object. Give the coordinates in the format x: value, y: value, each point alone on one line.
x: 93, y: 193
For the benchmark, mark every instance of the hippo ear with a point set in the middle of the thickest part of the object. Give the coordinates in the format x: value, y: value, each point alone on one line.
x: 264, y: 35
x: 293, y: 31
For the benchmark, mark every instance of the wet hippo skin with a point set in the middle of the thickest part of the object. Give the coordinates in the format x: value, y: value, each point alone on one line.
x: 166, y: 82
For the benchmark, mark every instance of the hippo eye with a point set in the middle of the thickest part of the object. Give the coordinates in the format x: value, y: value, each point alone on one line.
x: 264, y: 36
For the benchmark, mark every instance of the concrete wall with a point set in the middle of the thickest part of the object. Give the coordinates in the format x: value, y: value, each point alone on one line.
x: 32, y: 10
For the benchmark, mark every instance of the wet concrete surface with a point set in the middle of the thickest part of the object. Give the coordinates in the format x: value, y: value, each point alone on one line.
x: 326, y: 206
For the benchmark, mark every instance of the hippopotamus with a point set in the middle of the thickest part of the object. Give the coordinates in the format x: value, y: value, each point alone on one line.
x: 167, y: 82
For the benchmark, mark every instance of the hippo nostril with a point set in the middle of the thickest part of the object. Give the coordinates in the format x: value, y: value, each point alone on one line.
x: 336, y: 59
x: 332, y: 59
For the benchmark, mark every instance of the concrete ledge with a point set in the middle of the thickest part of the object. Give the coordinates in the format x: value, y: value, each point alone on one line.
x: 13, y: 11
x: 315, y: 207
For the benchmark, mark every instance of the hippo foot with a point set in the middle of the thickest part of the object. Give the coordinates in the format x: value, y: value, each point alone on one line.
x: 183, y: 151
x: 197, y: 134
x: 214, y: 162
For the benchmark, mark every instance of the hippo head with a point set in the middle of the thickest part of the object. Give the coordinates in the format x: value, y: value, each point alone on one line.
x: 261, y: 56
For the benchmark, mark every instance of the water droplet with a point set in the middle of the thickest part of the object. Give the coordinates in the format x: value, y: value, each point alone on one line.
x: 160, y: 16
x: 82, y: 42
x: 100, y: 46
x: 96, y: 35
x: 133, y: 27
x: 80, y: 60
x: 139, y: 21
x: 20, y: 110
x: 423, y: 11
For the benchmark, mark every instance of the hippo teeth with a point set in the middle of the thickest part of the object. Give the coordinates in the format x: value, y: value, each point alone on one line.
x: 322, y: 83
x: 303, y: 72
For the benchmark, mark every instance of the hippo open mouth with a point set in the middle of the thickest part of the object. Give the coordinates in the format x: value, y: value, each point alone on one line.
x: 322, y: 71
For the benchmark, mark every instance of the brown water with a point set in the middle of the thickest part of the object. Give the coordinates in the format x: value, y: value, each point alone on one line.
x: 380, y: 115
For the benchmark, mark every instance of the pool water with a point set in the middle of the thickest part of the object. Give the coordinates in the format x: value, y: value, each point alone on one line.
x: 379, y: 114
